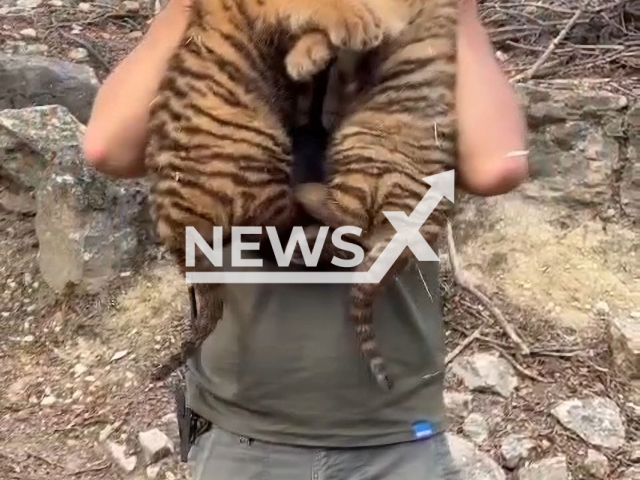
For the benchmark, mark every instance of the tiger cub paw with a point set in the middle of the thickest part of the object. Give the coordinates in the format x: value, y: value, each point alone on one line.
x: 311, y: 54
x: 354, y: 26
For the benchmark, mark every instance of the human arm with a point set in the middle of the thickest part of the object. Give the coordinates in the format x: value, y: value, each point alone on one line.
x: 116, y: 132
x: 492, y: 125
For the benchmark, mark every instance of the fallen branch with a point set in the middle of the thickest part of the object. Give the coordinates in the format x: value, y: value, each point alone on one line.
x: 89, y: 49
x: 458, y: 350
x: 482, y: 298
x: 520, y: 368
x: 90, y: 469
x: 552, y: 46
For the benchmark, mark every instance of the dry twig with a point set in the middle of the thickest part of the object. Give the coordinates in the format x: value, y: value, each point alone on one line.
x: 552, y: 46
x: 89, y: 49
x: 467, y: 341
x: 520, y: 368
x: 482, y: 298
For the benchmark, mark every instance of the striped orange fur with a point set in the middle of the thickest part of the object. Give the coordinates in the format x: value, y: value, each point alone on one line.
x: 398, y: 128
x: 219, y: 151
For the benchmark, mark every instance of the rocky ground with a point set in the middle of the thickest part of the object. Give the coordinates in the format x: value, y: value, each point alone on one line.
x: 559, y: 258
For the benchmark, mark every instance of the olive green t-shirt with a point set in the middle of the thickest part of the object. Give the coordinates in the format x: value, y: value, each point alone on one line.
x: 283, y: 364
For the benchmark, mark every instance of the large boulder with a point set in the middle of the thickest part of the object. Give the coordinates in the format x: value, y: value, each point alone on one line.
x: 30, y: 139
x: 597, y: 420
x: 90, y: 229
x: 30, y: 80
x: 576, y: 140
x: 625, y: 343
x: 630, y: 186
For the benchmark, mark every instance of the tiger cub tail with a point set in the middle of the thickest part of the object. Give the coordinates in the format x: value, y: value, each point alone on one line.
x: 206, y: 305
x: 319, y: 202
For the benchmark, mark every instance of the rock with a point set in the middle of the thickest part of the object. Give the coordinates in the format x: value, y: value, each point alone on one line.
x: 596, y: 464
x: 17, y: 203
x: 596, y: 420
x: 601, y: 308
x: 130, y: 6
x: 118, y: 454
x: 153, y: 471
x: 28, y: 33
x: 28, y: 3
x: 486, y: 372
x: 473, y: 464
x: 118, y: 355
x: 30, y: 139
x: 155, y: 445
x: 581, y: 132
x: 169, y: 424
x: 89, y: 228
x: 548, y: 469
x: 624, y: 338
x: 77, y: 54
x: 24, y: 49
x: 515, y: 449
x: 31, y: 81
x: 457, y: 403
x: 106, y: 432
x: 48, y: 401
x: 475, y: 427
x: 632, y: 473
x: 84, y: 7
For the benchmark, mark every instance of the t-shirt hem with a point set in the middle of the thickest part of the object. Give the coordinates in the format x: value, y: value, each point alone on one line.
x: 312, y: 439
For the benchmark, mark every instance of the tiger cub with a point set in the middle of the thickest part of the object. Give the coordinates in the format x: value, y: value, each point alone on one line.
x: 399, y: 128
x: 219, y: 151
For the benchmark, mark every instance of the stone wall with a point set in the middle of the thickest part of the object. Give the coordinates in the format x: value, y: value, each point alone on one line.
x: 584, y: 147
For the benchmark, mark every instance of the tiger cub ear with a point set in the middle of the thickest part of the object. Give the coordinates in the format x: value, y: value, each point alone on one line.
x: 310, y: 55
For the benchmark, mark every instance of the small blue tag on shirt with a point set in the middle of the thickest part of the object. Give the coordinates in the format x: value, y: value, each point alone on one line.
x: 422, y: 429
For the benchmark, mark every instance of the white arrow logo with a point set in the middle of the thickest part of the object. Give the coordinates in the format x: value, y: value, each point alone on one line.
x: 408, y: 235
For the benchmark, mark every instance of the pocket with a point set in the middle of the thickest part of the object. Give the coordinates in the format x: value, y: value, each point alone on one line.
x: 199, y: 451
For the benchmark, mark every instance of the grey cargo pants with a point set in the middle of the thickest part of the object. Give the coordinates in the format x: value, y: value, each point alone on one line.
x: 220, y: 455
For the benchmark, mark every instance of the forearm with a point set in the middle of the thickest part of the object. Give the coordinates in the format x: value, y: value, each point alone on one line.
x: 117, y: 131
x: 492, y: 125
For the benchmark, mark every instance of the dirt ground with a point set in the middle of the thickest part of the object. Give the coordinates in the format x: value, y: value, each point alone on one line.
x: 72, y: 366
